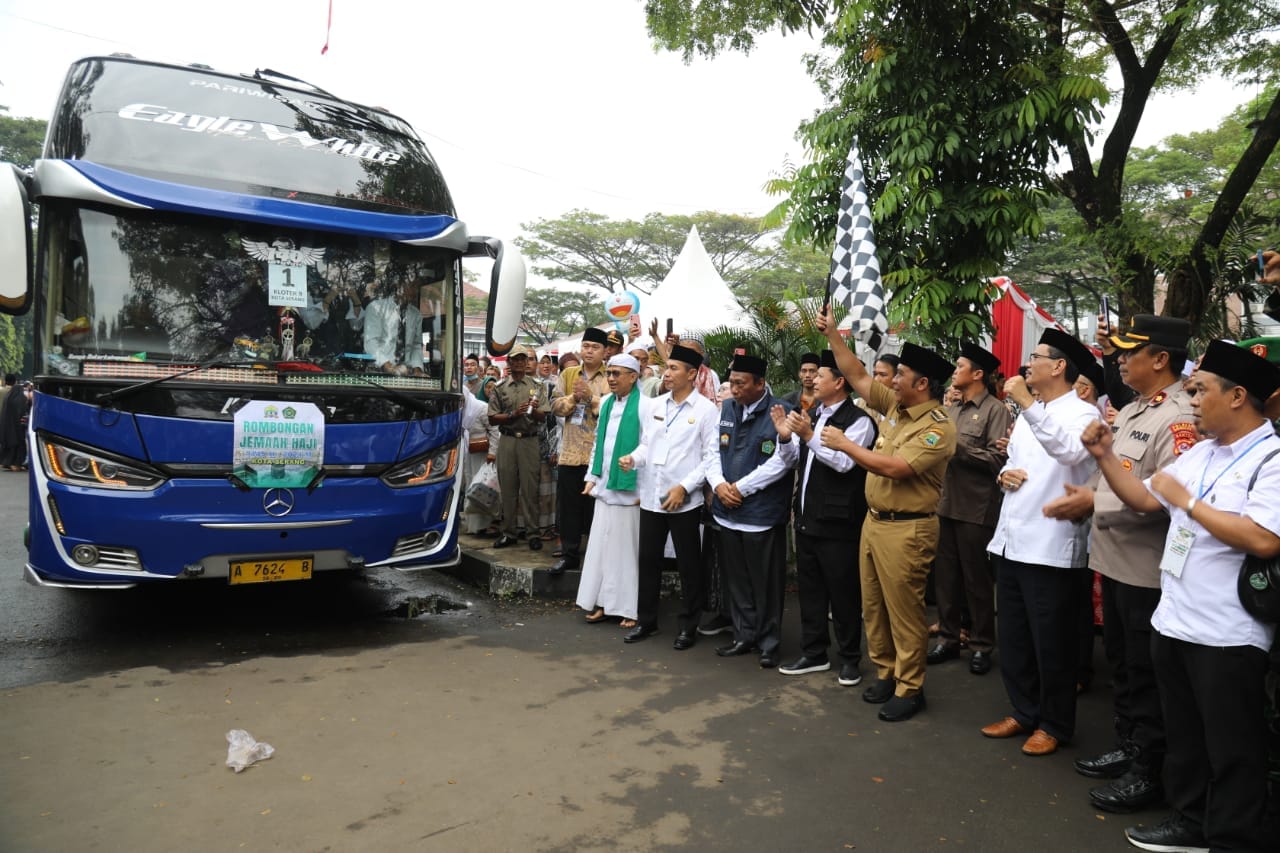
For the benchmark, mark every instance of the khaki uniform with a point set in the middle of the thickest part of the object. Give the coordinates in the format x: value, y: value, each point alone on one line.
x: 1126, y: 550
x: 1149, y: 434
x: 519, y: 464
x: 900, y: 536
x: 968, y: 512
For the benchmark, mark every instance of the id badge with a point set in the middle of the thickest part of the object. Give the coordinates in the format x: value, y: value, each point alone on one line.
x: 1176, y: 551
x: 660, y: 445
x: 579, y: 416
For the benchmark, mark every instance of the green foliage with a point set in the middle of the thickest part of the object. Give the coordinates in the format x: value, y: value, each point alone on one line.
x: 12, y: 351
x: 955, y: 123
x: 777, y: 331
x: 21, y: 140
x: 551, y: 313
x: 962, y: 109
x: 583, y: 247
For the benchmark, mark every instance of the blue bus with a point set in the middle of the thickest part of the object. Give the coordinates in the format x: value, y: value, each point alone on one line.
x: 247, y: 307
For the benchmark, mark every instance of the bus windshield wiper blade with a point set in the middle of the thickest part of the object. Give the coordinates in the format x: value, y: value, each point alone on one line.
x: 400, y: 397
x: 110, y: 397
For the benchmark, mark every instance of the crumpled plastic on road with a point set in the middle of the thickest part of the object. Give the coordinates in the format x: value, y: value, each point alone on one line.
x: 243, y: 750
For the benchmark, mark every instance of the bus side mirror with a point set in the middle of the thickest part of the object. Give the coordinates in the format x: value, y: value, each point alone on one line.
x: 15, y: 241
x: 506, y: 293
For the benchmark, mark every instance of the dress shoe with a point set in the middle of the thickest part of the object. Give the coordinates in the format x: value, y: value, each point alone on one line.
x: 942, y: 652
x: 1132, y: 792
x: 850, y: 675
x: 561, y: 566
x: 716, y: 625
x: 768, y: 660
x: 901, y: 708
x: 735, y: 649
x: 980, y: 663
x: 639, y: 633
x: 1173, y: 833
x: 504, y: 541
x: 1040, y: 743
x: 1109, y: 765
x: 685, y: 640
x: 880, y: 691
x: 535, y: 543
x: 805, y: 665
x: 1008, y: 727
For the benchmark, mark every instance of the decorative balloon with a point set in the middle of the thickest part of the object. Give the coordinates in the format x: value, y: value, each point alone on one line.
x: 621, y: 306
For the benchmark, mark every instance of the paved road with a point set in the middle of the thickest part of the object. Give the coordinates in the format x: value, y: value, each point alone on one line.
x: 500, y: 726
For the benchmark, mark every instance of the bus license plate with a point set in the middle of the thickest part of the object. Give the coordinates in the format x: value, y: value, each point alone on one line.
x: 266, y: 571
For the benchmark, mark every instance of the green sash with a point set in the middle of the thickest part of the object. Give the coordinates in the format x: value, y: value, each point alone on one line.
x: 628, y: 440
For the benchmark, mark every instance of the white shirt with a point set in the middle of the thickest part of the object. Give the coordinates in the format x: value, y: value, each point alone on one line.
x: 384, y: 324
x: 760, y: 478
x: 677, y: 443
x: 861, y: 432
x: 1202, y: 606
x: 1046, y: 444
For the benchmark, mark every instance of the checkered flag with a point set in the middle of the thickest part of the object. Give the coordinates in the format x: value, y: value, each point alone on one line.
x: 855, y: 270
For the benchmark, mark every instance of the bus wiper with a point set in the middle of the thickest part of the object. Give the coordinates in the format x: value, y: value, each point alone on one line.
x: 417, y: 405
x: 110, y: 397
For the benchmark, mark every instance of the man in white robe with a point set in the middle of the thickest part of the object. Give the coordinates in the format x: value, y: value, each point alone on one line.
x: 609, y: 585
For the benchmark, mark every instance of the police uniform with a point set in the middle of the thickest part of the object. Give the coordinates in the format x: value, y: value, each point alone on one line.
x: 900, y: 536
x: 1125, y: 549
x: 519, y: 464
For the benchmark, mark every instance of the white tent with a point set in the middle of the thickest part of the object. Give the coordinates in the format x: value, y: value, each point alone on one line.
x: 693, y: 294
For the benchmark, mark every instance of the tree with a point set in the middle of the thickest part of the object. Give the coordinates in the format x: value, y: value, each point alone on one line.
x: 21, y: 139
x: 589, y: 248
x: 551, y: 313
x: 777, y: 331
x: 951, y: 94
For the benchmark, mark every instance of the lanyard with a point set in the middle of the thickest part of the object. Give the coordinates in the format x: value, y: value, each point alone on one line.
x: 671, y: 417
x: 1204, y: 473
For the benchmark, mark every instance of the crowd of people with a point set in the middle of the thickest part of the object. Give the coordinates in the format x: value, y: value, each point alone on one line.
x: 1154, y: 475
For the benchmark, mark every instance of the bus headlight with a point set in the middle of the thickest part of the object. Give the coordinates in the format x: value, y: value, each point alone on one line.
x: 76, y: 465
x: 434, y: 467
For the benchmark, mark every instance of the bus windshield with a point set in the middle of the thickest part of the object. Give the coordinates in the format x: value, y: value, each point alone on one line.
x: 140, y: 286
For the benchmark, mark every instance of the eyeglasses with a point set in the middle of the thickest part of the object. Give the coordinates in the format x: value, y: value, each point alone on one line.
x: 1036, y: 355
x: 613, y: 373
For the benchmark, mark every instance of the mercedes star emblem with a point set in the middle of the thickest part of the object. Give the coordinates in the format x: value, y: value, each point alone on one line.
x: 277, y: 502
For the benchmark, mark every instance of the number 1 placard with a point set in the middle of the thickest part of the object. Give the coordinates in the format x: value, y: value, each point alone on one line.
x: 287, y: 286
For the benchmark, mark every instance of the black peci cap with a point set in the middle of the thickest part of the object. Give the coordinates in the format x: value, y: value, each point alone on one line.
x: 982, y: 359
x: 1076, y: 352
x: 1259, y: 377
x: 685, y: 355
x: 810, y: 358
x: 926, y: 362
x: 743, y: 363
x: 595, y: 336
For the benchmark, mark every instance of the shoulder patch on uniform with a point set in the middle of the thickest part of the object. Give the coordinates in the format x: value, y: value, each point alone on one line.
x: 1184, y: 437
x: 939, y: 415
x: 932, y: 437
x: 1159, y: 398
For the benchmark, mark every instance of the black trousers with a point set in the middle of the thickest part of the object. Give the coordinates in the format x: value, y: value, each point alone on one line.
x: 1038, y: 622
x: 962, y: 573
x: 685, y: 536
x: 1127, y: 631
x: 754, y: 566
x: 573, y: 510
x: 828, y: 573
x: 1215, y: 770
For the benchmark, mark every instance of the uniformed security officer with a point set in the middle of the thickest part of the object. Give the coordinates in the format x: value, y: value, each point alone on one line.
x: 900, y: 534
x: 518, y: 405
x: 1150, y: 433
x: 969, y: 510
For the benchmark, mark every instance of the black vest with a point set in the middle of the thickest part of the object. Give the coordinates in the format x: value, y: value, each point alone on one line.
x: 835, y: 504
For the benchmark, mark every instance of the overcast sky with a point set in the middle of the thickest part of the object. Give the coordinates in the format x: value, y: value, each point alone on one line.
x: 531, y: 108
